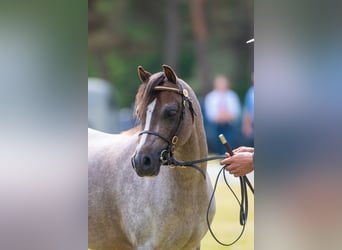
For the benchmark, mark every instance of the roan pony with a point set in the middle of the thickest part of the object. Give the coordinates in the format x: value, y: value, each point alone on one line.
x: 127, y: 209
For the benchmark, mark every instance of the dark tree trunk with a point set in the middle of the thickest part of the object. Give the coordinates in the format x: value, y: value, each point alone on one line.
x: 172, y: 33
x: 200, y: 32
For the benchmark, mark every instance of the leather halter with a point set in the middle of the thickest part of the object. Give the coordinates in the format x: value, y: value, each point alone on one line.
x: 166, y: 155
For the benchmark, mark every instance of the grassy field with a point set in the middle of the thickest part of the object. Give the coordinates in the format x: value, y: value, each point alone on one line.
x: 226, y: 225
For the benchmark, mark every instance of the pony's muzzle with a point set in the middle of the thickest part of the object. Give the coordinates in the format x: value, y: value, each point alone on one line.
x: 146, y: 164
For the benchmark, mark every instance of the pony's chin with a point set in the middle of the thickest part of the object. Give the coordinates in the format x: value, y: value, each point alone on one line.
x: 153, y: 173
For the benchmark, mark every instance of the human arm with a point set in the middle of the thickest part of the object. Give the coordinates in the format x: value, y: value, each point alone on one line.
x: 247, y: 125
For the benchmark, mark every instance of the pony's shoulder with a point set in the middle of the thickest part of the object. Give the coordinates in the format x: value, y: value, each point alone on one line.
x: 132, y: 131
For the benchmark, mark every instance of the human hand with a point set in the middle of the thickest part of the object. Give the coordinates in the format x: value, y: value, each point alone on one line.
x: 241, y: 163
x: 243, y: 149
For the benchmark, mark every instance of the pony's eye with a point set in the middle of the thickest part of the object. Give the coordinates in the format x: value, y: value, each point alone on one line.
x: 170, y: 112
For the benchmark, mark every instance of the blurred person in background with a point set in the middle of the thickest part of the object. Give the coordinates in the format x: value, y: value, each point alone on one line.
x: 248, y: 116
x: 222, y: 111
x: 241, y: 163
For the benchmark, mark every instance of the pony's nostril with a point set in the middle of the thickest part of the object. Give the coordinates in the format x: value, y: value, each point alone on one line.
x: 146, y: 161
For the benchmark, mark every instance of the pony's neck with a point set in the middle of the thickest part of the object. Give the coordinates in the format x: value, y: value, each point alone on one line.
x: 194, y: 149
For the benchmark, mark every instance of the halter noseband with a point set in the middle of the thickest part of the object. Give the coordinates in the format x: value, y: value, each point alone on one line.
x: 166, y: 155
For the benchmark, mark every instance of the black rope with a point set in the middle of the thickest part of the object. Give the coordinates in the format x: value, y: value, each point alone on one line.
x: 192, y: 164
x: 210, y: 201
x: 243, y: 204
x: 249, y: 184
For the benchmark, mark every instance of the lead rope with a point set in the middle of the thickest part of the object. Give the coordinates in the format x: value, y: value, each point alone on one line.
x: 243, y: 204
x: 172, y: 161
x: 244, y: 195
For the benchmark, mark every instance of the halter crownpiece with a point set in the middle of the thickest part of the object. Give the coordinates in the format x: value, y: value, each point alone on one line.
x: 183, y: 92
x: 167, y: 89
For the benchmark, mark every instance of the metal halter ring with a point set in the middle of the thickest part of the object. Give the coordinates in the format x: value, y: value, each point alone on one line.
x: 164, y: 155
x: 174, y: 140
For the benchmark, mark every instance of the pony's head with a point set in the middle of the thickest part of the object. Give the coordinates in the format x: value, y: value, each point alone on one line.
x: 166, y: 114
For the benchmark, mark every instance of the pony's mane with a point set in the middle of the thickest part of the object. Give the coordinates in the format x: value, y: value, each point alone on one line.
x: 146, y: 94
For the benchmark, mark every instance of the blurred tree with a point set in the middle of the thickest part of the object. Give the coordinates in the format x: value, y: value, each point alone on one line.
x: 198, y: 38
x: 230, y: 23
x: 172, y: 34
x: 199, y: 27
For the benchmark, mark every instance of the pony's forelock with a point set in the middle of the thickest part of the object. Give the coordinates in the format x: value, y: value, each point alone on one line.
x: 146, y: 94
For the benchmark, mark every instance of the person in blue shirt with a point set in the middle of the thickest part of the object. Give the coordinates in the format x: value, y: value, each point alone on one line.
x: 248, y: 116
x: 222, y: 111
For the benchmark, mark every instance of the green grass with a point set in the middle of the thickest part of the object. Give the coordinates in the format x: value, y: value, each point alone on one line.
x: 226, y: 225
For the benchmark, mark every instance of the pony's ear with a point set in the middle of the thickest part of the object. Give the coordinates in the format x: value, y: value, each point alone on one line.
x: 143, y: 74
x: 170, y: 74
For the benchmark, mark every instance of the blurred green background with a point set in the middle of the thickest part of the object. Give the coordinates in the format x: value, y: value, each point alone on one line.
x: 198, y: 38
